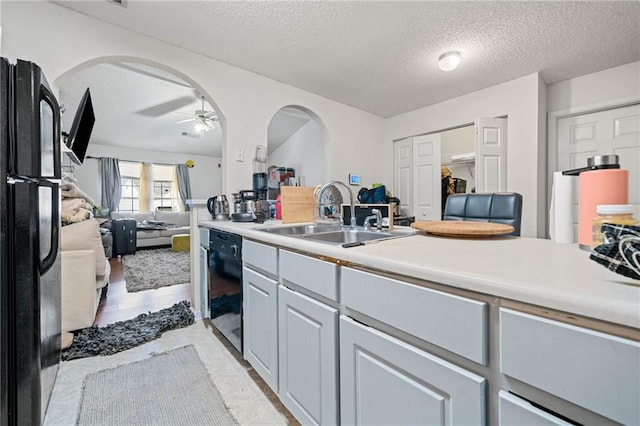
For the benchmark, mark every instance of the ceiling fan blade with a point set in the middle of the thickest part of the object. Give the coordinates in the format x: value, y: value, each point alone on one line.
x: 166, y: 107
x: 210, y: 115
x: 186, y: 120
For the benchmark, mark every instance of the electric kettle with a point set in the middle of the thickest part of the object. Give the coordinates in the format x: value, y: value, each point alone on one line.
x: 218, y: 206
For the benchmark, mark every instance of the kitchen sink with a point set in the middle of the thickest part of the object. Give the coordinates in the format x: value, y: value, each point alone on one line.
x: 350, y: 236
x: 299, y: 230
x: 334, y: 234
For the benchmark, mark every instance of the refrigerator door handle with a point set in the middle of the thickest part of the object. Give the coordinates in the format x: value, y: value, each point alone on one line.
x: 50, y: 258
x: 48, y: 97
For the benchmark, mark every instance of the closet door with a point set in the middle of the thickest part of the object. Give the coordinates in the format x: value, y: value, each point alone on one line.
x: 427, y: 197
x: 403, y: 174
x: 491, y: 154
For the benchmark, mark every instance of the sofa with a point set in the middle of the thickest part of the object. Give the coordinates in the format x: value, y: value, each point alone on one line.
x: 177, y: 223
x: 85, y: 273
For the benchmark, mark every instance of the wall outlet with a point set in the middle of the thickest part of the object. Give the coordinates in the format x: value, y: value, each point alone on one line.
x: 240, y: 156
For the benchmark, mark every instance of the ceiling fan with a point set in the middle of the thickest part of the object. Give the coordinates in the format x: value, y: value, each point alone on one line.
x: 204, y: 120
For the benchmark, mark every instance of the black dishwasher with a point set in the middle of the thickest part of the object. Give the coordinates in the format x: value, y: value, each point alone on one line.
x: 225, y: 284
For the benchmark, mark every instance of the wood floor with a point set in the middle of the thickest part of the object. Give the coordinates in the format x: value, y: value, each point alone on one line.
x: 120, y: 305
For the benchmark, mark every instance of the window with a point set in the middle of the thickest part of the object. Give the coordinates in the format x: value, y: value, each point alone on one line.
x: 164, y: 193
x: 130, y: 183
x: 161, y: 193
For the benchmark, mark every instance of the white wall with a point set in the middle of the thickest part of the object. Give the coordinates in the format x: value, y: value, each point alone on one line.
x: 519, y: 100
x: 304, y: 151
x: 246, y: 101
x: 604, y: 88
x: 205, y: 177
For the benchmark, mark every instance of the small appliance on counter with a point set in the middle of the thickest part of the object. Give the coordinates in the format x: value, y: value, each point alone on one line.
x: 601, y: 182
x: 249, y: 207
x: 218, y: 207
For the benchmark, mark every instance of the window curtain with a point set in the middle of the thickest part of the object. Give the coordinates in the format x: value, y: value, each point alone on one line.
x: 184, y: 186
x: 111, y: 185
x: 146, y: 187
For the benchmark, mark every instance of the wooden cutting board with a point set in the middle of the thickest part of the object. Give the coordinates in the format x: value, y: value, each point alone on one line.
x: 459, y: 228
x: 298, y: 204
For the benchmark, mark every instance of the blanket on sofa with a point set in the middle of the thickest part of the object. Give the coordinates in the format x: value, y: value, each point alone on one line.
x: 76, y: 204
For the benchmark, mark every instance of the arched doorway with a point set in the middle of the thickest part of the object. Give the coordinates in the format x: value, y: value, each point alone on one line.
x: 297, y: 138
x: 145, y: 111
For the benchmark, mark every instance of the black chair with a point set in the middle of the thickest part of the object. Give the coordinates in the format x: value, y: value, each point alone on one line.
x: 505, y: 207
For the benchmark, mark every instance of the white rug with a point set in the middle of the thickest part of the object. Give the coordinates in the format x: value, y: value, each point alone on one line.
x: 170, y: 388
x: 155, y: 268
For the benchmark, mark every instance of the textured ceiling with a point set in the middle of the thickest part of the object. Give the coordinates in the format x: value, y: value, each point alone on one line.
x: 145, y: 118
x: 381, y: 56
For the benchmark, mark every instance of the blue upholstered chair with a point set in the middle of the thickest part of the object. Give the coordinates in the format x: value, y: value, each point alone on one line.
x: 499, y: 207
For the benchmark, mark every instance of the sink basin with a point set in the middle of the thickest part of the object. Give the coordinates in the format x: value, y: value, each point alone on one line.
x: 299, y: 230
x: 350, y: 236
x: 333, y: 234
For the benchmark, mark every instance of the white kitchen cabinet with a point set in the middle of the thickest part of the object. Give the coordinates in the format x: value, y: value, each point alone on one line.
x: 203, y: 280
x: 260, y: 324
x: 455, y: 323
x: 594, y: 370
x: 514, y: 411
x: 308, y: 351
x: 384, y: 380
x: 317, y: 276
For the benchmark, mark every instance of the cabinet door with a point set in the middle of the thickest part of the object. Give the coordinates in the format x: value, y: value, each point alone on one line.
x: 403, y: 174
x: 427, y: 193
x: 386, y: 381
x: 203, y: 280
x: 260, y: 320
x: 308, y: 358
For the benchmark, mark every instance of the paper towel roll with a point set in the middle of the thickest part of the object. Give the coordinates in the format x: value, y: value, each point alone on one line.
x: 561, y: 212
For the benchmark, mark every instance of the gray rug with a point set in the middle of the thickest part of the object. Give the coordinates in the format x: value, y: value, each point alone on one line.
x: 122, y: 335
x: 172, y: 388
x: 155, y: 268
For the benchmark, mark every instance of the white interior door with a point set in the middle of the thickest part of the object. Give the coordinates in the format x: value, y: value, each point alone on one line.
x: 426, y: 177
x: 403, y: 174
x: 491, y: 154
x: 614, y: 131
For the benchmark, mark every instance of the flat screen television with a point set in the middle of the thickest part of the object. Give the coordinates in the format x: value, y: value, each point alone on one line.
x: 80, y: 133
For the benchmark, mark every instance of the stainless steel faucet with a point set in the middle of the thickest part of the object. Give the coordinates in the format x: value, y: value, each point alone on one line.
x: 321, y: 192
x: 377, y: 215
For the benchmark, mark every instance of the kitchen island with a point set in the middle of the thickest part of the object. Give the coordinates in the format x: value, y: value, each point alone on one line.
x: 439, y: 330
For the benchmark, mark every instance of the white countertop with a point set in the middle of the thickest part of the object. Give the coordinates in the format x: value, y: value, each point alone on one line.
x: 534, y: 271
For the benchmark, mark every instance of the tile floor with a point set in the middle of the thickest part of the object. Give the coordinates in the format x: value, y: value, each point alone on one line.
x: 249, y: 399
x: 248, y: 404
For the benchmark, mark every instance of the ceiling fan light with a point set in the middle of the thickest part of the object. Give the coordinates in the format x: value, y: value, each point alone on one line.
x: 201, y: 127
x: 449, y: 61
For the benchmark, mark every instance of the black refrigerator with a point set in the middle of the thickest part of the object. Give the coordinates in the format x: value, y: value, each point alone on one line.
x: 29, y: 251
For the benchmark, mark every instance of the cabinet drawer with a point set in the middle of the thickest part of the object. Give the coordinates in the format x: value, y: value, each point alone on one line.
x: 454, y: 323
x: 594, y: 370
x: 514, y: 411
x: 312, y: 274
x: 261, y: 257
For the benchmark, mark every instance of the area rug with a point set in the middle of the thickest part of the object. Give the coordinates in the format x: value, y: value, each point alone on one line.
x: 123, y: 335
x: 171, y: 388
x: 155, y: 268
